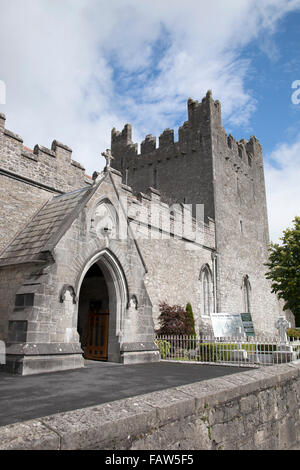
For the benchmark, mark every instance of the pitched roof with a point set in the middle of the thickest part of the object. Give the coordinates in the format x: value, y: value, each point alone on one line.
x: 45, y: 228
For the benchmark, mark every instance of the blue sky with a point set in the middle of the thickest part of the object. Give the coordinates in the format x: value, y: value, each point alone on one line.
x: 75, y: 69
x: 273, y: 69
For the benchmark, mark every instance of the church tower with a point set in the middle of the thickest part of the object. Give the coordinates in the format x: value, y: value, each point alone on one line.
x: 207, y: 166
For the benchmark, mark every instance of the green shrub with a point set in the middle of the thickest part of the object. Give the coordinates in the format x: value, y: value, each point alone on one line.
x: 164, y: 347
x: 293, y: 333
x: 190, y: 314
x: 221, y: 351
x: 192, y: 344
x: 249, y: 347
x: 266, y: 348
x: 214, y: 352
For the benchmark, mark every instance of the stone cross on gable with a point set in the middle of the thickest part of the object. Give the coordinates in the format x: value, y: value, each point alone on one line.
x: 282, y: 324
x: 108, y: 157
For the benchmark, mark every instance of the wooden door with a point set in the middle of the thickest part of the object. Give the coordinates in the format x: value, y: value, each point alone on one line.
x: 97, y: 336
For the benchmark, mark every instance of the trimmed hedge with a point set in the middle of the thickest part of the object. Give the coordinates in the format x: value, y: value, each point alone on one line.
x: 220, y: 352
x: 164, y: 347
x: 293, y: 333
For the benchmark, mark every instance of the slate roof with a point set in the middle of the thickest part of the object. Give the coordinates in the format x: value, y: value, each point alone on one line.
x: 45, y: 228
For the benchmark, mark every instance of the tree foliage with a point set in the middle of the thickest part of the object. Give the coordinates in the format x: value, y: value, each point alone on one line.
x: 284, y: 269
x: 174, y: 320
x: 190, y: 314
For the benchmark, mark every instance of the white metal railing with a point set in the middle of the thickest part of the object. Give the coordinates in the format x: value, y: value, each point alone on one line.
x: 246, y: 351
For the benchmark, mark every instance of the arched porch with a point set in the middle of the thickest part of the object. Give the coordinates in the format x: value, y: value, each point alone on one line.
x: 103, y: 297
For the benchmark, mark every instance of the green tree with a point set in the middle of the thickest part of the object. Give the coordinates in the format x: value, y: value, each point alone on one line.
x: 284, y: 269
x: 190, y: 314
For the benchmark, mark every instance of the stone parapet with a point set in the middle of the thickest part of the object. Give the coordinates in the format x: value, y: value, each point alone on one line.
x: 52, y: 167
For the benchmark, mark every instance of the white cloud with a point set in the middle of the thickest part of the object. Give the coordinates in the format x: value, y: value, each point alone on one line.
x: 59, y: 59
x: 282, y: 184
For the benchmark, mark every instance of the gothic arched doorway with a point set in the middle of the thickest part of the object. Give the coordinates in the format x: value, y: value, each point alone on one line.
x: 93, y: 315
x: 103, y: 297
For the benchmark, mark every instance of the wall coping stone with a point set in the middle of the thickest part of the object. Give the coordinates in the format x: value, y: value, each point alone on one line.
x: 13, y: 135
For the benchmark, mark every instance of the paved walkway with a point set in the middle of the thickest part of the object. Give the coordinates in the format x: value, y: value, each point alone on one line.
x: 28, y: 397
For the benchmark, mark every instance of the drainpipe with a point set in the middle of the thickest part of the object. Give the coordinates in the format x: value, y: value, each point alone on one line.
x: 214, y: 256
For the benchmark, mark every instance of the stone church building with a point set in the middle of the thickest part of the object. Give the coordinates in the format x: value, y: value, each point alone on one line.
x: 86, y: 261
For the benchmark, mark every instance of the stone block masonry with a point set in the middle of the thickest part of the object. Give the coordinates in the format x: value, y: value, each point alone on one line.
x: 51, y: 168
x: 255, y: 410
x: 28, y: 178
x: 207, y: 166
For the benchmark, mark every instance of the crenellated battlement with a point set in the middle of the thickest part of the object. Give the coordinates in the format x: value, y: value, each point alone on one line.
x: 124, y: 137
x: 151, y: 218
x: 51, y: 167
x: 183, y: 170
x: 166, y: 138
x: 201, y: 113
x: 194, y: 136
x: 148, y: 145
x: 245, y: 156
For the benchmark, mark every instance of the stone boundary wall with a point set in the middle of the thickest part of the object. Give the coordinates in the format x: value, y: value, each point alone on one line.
x: 254, y: 409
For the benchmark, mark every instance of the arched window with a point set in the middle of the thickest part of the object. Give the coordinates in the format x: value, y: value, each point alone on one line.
x: 206, y: 290
x: 246, y: 294
x: 104, y: 220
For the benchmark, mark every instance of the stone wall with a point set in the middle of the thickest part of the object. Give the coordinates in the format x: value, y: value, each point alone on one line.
x: 242, y: 234
x: 182, y: 171
x: 52, y: 167
x: 173, y: 259
x: 207, y: 166
x: 174, y: 275
x: 252, y: 410
x: 28, y: 178
x: 11, y: 279
x: 47, y: 327
x: 18, y: 204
